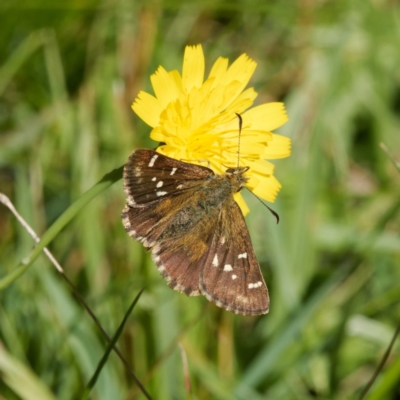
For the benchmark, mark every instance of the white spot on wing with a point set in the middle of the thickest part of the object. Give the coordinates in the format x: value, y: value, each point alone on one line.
x: 234, y: 277
x: 153, y: 160
x: 146, y: 243
x: 228, y: 267
x: 159, y: 184
x: 215, y: 261
x: 223, y: 240
x: 243, y: 255
x: 161, y: 193
x: 179, y: 187
x: 154, y: 179
x: 242, y: 299
x: 255, y: 285
x: 173, y: 171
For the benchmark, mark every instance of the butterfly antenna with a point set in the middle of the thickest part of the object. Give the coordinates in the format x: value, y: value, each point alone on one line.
x: 274, y: 213
x: 240, y: 133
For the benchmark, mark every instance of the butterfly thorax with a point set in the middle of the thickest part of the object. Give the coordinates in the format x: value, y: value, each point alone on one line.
x: 218, y: 190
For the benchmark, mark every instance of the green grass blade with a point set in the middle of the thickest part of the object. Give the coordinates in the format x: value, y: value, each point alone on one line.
x: 110, y: 346
x: 22, y: 380
x: 19, y: 56
x: 60, y: 223
x: 390, y: 378
x: 389, y: 381
x: 266, y: 360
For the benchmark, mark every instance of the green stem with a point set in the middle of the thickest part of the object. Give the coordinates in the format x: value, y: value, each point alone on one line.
x: 381, y: 364
x: 110, y: 347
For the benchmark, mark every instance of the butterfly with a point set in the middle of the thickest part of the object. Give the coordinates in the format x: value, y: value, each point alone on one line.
x: 187, y: 216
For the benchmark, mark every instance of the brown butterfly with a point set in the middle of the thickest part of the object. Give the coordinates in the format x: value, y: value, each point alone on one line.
x: 186, y: 215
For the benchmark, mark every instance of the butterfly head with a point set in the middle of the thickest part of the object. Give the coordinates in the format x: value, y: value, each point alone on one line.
x: 237, y: 178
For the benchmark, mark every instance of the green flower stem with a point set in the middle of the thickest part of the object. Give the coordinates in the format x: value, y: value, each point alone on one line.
x: 60, y: 223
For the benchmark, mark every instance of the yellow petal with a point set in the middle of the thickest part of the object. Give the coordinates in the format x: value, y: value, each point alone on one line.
x: 165, y: 87
x: 230, y: 93
x: 240, y: 71
x: 210, y: 104
x: 245, y: 149
x: 262, y: 137
x: 193, y: 67
x: 218, y: 71
x: 217, y: 98
x: 170, y: 152
x: 242, y: 204
x: 243, y: 101
x: 216, y: 166
x: 278, y: 147
x: 230, y: 129
x: 176, y: 77
x: 260, y: 167
x: 267, y: 116
x: 148, y: 108
x: 157, y: 134
x: 253, y: 182
x: 267, y: 188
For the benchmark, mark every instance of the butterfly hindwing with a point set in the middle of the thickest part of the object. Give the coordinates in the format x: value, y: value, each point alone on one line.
x: 178, y: 268
x: 179, y: 257
x: 175, y: 266
x: 231, y: 277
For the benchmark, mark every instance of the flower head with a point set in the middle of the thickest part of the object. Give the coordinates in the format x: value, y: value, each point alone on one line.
x: 197, y: 120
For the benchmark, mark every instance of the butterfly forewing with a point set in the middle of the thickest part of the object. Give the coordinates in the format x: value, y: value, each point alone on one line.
x: 181, y: 271
x: 150, y: 176
x: 231, y: 277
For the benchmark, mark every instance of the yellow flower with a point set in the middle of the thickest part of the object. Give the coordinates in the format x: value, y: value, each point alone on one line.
x: 197, y: 120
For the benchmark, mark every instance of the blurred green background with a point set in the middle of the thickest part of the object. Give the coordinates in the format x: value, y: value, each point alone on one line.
x: 69, y: 73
